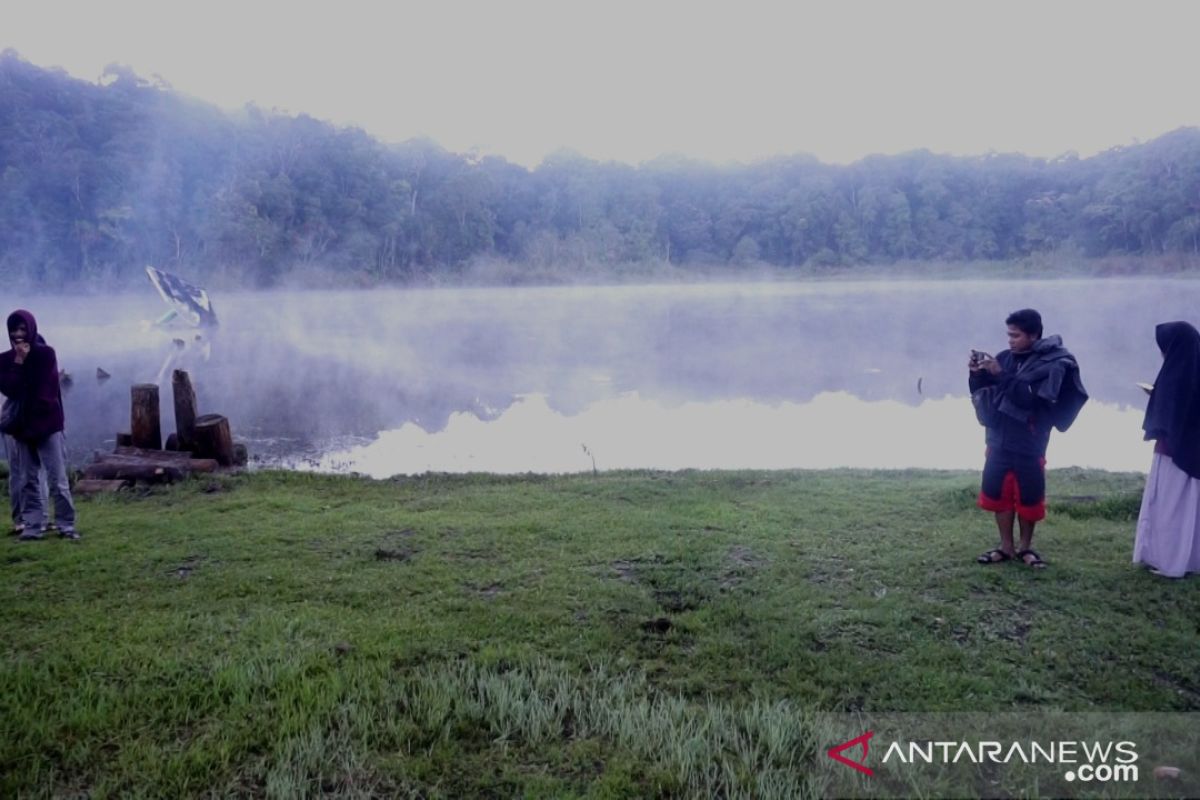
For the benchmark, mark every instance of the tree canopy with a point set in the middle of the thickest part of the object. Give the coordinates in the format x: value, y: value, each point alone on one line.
x: 99, y: 179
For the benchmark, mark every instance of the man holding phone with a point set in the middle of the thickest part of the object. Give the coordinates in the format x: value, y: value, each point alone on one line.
x: 1019, y: 395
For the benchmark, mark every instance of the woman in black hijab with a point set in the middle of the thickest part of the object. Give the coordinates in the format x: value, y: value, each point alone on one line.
x: 1168, y: 530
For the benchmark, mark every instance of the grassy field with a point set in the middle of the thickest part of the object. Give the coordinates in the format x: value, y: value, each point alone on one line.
x: 617, y: 635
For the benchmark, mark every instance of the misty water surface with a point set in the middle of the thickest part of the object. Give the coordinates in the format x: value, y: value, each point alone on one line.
x: 561, y: 379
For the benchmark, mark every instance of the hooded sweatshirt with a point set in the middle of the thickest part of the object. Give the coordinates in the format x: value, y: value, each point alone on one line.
x: 34, y: 384
x: 1035, y: 391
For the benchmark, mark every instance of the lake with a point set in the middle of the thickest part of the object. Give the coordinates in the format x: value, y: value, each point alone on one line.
x: 754, y: 375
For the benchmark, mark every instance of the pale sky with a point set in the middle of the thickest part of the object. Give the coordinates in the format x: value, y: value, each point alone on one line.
x: 629, y: 81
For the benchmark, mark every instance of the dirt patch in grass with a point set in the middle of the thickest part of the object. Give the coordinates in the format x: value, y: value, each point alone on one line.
x: 741, y: 556
x: 488, y: 591
x: 674, y: 586
x: 1010, y: 624
x: 679, y: 589
x: 1178, y: 686
x: 831, y: 570
x: 658, y: 625
x: 675, y: 601
x: 626, y: 571
x: 741, y: 563
x: 1000, y: 624
x: 395, y: 546
x: 473, y: 555
x: 186, y: 567
x: 632, y: 570
x: 1016, y: 631
x: 402, y: 554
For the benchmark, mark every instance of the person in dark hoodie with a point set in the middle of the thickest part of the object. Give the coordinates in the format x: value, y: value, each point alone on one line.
x: 29, y: 376
x: 1168, y: 528
x: 1019, y: 395
x: 16, y: 469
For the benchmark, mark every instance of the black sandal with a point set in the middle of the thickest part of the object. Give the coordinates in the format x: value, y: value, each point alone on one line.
x: 996, y: 556
x: 1037, y: 562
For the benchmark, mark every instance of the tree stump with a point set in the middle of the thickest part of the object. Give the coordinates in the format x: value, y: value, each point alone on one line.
x: 185, y: 409
x: 213, y: 439
x: 144, y: 423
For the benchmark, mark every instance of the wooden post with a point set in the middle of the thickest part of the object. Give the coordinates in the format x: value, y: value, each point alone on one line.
x: 144, y: 422
x: 185, y: 409
x: 213, y: 439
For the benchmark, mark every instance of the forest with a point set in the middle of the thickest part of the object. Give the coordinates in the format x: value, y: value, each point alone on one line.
x: 97, y: 180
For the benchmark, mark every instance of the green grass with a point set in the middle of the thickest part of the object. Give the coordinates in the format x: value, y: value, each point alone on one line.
x: 619, y: 635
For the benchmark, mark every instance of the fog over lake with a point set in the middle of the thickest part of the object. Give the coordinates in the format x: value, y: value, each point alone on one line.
x: 772, y: 375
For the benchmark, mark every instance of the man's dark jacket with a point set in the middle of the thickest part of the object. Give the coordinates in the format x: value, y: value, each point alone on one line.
x: 1034, y: 392
x: 34, y: 384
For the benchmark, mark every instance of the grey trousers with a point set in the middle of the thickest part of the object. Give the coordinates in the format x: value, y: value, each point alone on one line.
x: 50, y: 454
x: 16, y: 479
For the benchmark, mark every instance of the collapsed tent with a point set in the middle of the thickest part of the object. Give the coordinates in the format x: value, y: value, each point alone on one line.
x: 188, y: 303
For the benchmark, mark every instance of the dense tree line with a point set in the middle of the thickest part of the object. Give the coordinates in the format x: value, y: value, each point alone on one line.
x: 98, y: 180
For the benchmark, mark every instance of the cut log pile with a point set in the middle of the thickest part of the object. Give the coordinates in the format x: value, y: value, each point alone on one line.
x: 199, y: 444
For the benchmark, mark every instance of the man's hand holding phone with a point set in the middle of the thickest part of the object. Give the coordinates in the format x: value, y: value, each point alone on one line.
x: 983, y: 361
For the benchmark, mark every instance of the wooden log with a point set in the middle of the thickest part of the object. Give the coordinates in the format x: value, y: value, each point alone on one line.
x: 143, y: 422
x: 96, y: 486
x: 168, y: 456
x: 213, y: 439
x: 185, y: 409
x: 124, y: 440
x: 152, y: 473
x: 162, y: 458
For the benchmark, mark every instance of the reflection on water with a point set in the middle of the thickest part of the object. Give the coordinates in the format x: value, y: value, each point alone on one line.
x: 834, y: 430
x: 723, y: 375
